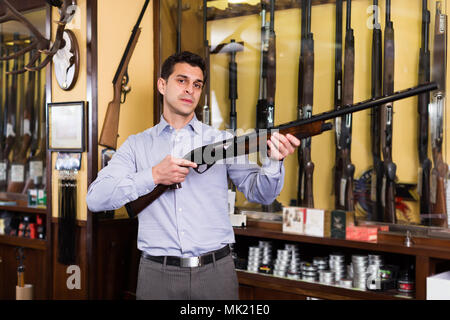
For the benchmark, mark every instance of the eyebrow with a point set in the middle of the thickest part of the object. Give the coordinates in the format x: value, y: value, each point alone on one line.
x: 186, y: 77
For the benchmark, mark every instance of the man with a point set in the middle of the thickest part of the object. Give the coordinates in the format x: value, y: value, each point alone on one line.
x: 185, y: 234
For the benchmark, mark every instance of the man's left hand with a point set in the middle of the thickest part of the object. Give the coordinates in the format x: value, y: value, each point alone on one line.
x: 280, y: 146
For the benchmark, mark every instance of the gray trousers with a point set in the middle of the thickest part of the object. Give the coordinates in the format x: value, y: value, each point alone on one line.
x: 214, y: 281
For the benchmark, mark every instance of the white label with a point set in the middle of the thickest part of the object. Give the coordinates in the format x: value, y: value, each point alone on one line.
x: 10, y: 130
x: 17, y: 173
x: 2, y: 171
x: 433, y: 187
x: 442, y: 23
x: 26, y: 127
x: 383, y: 193
x: 373, y: 187
x: 342, y: 193
x: 419, y: 182
x: 36, y: 169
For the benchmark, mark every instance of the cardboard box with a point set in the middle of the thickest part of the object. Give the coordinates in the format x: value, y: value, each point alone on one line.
x: 293, y: 220
x: 362, y: 233
x: 438, y: 286
x: 339, y: 221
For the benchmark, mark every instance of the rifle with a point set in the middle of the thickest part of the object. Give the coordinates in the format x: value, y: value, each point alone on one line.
x: 206, y: 110
x: 231, y: 48
x: 207, y: 155
x: 17, y: 182
x: 38, y: 151
x: 10, y: 120
x: 388, y: 186
x: 440, y: 169
x: 423, y: 184
x: 21, y: 268
x: 337, y: 172
x: 306, y: 166
x: 265, y: 109
x: 109, y: 133
x: 345, y: 180
x: 3, y: 103
x: 377, y: 173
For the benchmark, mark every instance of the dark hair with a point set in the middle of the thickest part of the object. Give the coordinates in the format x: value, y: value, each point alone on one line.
x: 187, y: 57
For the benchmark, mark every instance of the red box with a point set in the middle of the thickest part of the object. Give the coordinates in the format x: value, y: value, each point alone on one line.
x: 360, y: 233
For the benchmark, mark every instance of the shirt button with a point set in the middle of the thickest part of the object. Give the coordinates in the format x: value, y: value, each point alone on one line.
x: 182, y: 233
x: 180, y: 209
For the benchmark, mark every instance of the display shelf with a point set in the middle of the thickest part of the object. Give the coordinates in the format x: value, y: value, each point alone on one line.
x: 37, y: 244
x: 25, y: 209
x: 429, y: 254
x: 314, y: 289
x: 385, y: 242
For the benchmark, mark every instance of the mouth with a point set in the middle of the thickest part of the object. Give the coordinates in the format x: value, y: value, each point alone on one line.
x: 187, y: 100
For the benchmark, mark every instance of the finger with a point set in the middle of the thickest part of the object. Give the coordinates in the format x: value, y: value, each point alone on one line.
x: 278, y: 145
x: 183, y: 171
x: 184, y: 163
x: 296, y: 142
x: 286, y: 144
x: 273, y: 151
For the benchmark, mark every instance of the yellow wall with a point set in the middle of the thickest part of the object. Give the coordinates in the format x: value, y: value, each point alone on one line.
x: 406, y: 16
x: 115, y: 22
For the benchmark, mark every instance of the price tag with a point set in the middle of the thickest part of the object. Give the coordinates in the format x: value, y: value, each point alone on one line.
x: 383, y: 193
x: 419, y: 181
x: 342, y: 193
x: 17, y: 173
x: 433, y: 187
x: 36, y: 169
x: 373, y: 187
x: 2, y: 171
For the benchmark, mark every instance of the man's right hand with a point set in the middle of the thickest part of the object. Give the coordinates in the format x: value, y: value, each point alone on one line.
x: 171, y: 170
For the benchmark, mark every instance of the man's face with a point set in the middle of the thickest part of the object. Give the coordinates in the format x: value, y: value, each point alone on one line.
x: 183, y: 89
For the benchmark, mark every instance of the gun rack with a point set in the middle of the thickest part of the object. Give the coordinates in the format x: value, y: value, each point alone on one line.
x: 243, y: 9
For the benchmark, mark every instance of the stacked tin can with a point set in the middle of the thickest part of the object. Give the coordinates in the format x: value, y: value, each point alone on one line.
x: 309, y: 271
x: 337, y: 265
x: 359, y: 268
x: 282, y: 262
x: 266, y: 256
x: 254, y: 259
x: 260, y: 255
x: 293, y: 271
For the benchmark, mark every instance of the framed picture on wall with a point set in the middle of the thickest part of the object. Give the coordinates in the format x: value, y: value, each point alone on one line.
x: 66, y: 126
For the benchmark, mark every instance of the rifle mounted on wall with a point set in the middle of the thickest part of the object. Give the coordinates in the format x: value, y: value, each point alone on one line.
x: 109, y: 133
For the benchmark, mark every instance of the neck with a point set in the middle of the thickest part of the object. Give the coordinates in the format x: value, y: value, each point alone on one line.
x: 177, y: 121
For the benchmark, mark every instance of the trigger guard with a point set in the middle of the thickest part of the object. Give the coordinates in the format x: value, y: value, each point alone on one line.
x: 207, y: 168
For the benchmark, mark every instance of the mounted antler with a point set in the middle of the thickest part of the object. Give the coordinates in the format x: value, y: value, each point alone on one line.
x: 67, y: 10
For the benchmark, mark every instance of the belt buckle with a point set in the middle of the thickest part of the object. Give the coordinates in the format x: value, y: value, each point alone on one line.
x: 190, y: 262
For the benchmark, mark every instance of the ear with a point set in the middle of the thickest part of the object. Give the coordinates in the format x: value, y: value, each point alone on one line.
x: 161, y: 86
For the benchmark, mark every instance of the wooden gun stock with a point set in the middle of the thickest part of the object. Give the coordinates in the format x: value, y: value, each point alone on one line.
x: 110, y: 129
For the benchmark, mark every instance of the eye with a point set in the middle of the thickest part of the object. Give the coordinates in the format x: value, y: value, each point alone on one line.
x: 198, y: 85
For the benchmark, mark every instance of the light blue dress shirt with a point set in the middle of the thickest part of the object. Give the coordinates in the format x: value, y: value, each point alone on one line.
x: 192, y: 220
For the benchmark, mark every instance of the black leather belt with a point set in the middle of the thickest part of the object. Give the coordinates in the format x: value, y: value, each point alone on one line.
x: 191, y: 261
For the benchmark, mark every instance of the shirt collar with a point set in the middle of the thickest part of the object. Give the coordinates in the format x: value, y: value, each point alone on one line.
x: 194, y: 124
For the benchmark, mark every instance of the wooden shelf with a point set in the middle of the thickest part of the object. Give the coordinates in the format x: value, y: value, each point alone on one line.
x: 315, y: 289
x: 23, y: 242
x: 384, y: 244
x: 25, y: 209
x: 244, y: 9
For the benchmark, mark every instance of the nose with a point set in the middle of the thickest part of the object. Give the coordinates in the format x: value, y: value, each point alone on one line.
x: 189, y: 89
